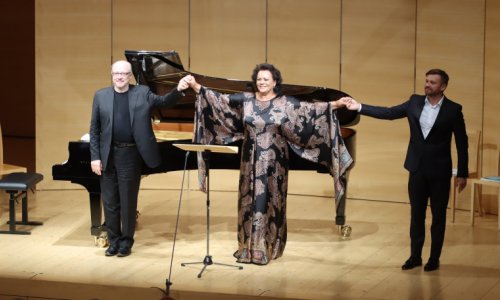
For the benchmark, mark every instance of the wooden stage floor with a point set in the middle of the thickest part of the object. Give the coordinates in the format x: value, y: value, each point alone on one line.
x: 60, y: 261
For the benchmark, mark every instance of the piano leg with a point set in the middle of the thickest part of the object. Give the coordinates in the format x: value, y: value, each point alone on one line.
x: 97, y: 229
x: 96, y: 214
x: 345, y: 230
x: 340, y: 204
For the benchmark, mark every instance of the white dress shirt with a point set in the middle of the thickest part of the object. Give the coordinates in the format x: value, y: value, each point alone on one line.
x: 429, y: 115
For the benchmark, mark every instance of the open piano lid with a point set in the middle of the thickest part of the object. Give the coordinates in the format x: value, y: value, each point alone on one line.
x: 161, y: 71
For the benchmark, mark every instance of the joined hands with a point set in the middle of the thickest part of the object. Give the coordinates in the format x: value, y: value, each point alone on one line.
x: 348, y: 102
x: 188, y: 81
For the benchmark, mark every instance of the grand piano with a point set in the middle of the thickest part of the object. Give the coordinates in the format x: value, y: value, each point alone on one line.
x: 161, y: 71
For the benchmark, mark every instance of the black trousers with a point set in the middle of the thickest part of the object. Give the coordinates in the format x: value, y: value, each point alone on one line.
x: 119, y: 190
x: 421, y: 188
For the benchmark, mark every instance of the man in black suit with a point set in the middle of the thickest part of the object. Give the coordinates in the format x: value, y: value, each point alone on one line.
x: 433, y: 119
x: 121, y: 138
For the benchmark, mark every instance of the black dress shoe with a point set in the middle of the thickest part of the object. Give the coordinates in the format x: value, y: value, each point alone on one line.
x: 122, y: 252
x: 411, y: 263
x: 431, y: 265
x: 111, y: 251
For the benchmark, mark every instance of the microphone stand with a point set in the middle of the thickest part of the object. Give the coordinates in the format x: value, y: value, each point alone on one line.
x: 205, y: 151
x: 208, y: 258
x: 168, y: 282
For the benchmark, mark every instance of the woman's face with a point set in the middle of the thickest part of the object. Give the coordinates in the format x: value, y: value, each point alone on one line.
x: 265, y: 82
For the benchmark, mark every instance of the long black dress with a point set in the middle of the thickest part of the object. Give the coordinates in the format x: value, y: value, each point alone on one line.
x: 268, y: 128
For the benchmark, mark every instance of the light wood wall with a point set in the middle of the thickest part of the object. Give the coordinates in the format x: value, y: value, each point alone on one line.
x: 376, y: 51
x: 378, y: 58
x: 491, y: 100
x: 150, y: 25
x: 73, y: 55
x: 304, y: 39
x: 227, y: 37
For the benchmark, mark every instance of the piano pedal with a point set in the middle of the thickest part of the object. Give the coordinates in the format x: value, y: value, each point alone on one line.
x: 345, y: 231
x: 101, y: 241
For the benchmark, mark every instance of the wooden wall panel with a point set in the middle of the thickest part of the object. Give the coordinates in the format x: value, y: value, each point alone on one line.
x: 378, y: 53
x: 304, y: 41
x: 17, y: 113
x: 154, y: 25
x: 18, y: 48
x: 228, y: 37
x: 455, y: 43
x: 491, y: 126
x: 73, y: 49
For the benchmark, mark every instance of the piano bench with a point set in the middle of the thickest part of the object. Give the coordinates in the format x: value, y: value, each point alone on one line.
x: 18, y: 185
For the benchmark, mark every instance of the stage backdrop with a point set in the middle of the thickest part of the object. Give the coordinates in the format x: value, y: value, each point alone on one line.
x: 376, y: 51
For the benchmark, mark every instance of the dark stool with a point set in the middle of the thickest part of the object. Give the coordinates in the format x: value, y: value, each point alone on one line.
x: 17, y: 185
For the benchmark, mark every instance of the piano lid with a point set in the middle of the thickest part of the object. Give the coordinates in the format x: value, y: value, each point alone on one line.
x: 161, y: 71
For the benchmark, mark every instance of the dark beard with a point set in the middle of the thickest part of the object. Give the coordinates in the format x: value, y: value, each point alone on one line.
x: 433, y: 94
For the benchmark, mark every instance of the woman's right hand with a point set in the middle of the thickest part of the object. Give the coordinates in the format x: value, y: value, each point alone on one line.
x: 183, y: 83
x: 193, y: 84
x: 350, y: 103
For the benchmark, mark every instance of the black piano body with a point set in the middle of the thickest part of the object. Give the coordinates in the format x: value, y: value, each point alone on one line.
x: 161, y: 71
x: 77, y: 170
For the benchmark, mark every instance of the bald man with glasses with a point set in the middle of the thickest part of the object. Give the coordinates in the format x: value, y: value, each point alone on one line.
x: 121, y: 139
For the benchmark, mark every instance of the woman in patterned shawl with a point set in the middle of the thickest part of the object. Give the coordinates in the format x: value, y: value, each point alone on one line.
x: 269, y: 124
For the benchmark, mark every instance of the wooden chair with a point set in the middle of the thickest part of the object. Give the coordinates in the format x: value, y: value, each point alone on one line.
x: 476, y: 185
x: 474, y: 171
x: 7, y: 168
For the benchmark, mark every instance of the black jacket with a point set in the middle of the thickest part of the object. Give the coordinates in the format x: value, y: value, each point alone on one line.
x: 141, y: 100
x: 433, y: 154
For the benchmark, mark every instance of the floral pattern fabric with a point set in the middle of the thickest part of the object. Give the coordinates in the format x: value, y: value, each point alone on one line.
x: 268, y: 130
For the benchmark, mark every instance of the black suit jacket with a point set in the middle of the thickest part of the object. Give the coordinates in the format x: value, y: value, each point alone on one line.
x: 141, y: 100
x: 431, y: 155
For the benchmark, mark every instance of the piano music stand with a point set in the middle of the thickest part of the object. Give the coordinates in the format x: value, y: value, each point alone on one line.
x: 207, y: 149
